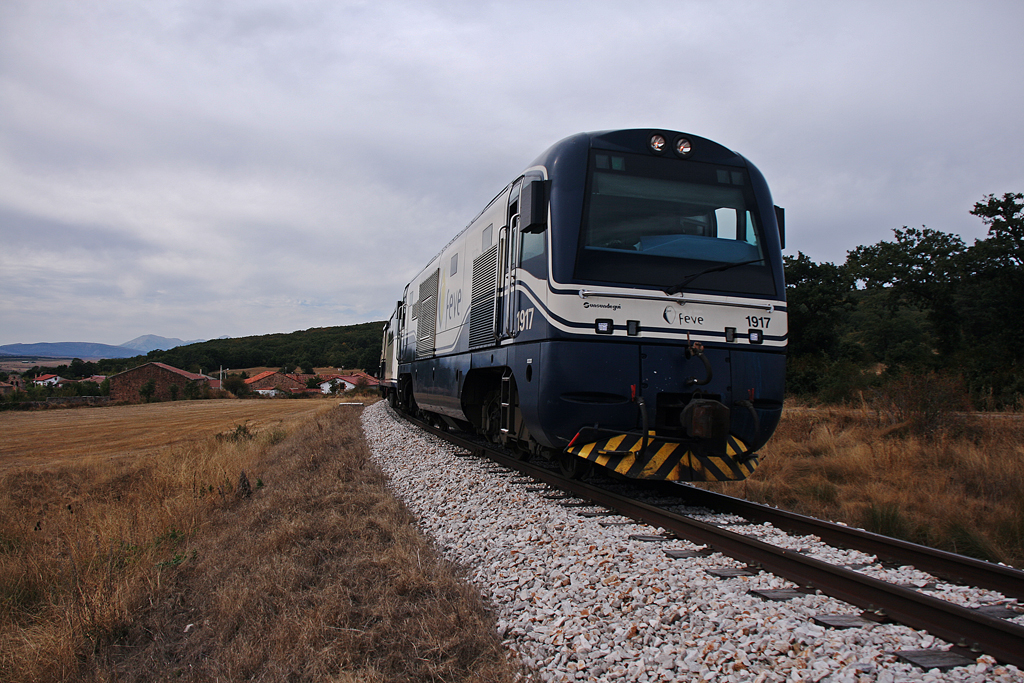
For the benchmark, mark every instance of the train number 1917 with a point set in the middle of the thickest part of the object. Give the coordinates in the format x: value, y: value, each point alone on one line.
x: 524, y: 319
x: 757, y: 321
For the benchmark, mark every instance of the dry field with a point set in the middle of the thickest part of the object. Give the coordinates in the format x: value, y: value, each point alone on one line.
x: 23, y: 363
x: 139, y: 554
x: 91, y: 435
x: 959, y: 487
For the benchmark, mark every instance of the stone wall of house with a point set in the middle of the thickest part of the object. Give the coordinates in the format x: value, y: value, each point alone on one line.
x: 125, y: 386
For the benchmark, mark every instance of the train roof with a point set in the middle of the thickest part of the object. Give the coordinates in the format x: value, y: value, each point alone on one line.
x: 637, y: 140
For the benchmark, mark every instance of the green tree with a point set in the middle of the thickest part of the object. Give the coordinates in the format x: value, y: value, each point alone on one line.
x: 898, y: 338
x: 818, y: 299
x: 920, y: 269
x: 1005, y: 220
x: 87, y: 388
x: 990, y: 302
x: 147, y: 390
x: 236, y: 385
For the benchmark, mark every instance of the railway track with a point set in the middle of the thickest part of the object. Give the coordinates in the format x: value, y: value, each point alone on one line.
x: 970, y: 631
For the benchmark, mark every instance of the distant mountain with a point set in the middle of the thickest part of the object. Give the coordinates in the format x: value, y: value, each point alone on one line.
x: 68, y: 350
x: 151, y: 342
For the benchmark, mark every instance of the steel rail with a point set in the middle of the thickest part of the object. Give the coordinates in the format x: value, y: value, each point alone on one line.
x: 945, y: 565
x: 1001, y: 639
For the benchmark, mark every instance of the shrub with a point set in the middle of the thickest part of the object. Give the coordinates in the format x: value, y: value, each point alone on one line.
x: 928, y: 404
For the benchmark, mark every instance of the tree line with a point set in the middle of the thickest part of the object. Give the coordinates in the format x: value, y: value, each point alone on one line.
x: 924, y: 304
x: 347, y: 346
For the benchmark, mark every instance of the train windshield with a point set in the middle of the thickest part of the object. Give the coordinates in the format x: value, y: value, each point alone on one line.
x: 671, y: 224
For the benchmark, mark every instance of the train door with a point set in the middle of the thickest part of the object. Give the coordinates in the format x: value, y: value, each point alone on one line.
x: 405, y: 354
x: 508, y: 260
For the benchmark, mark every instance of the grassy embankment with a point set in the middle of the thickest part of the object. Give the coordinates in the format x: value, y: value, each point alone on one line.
x: 949, y: 480
x: 160, y: 566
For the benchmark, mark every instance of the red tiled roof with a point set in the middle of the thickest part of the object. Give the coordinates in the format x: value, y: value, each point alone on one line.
x: 262, y: 375
x: 170, y: 368
x: 355, y: 379
x: 183, y: 373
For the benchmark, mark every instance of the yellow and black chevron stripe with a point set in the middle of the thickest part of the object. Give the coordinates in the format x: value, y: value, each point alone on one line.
x: 666, y: 460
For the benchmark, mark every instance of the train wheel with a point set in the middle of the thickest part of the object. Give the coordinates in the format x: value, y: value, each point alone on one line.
x: 492, y: 424
x: 573, y: 467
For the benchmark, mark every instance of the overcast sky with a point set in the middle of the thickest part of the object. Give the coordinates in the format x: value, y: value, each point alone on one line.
x: 195, y: 168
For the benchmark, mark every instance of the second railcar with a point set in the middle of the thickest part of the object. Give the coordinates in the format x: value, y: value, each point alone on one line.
x: 619, y: 304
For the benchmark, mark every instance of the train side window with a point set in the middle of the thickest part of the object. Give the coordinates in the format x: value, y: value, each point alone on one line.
x: 513, y: 200
x: 533, y: 253
x: 488, y: 239
x: 455, y: 264
x: 751, y: 235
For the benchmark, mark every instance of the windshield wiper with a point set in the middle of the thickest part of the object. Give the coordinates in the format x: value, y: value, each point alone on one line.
x: 676, y: 289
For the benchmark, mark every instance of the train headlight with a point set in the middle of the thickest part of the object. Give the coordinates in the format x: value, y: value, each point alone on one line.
x: 683, y: 147
x: 755, y: 337
x: 604, y: 326
x: 658, y: 143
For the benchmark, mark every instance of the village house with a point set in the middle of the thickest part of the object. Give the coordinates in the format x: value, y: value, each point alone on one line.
x: 274, y: 380
x: 345, y: 382
x: 14, y: 383
x: 169, y: 383
x: 330, y: 384
x: 48, y: 380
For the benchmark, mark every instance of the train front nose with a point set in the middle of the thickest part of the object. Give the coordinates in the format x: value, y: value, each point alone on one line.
x: 663, y: 411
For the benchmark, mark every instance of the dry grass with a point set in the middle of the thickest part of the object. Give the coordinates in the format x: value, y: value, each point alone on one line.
x: 960, y: 489
x: 160, y: 569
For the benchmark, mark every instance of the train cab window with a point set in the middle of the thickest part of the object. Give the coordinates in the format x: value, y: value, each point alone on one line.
x: 533, y: 253
x: 656, y: 221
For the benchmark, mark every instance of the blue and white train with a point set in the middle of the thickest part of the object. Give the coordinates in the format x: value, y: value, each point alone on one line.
x: 619, y: 304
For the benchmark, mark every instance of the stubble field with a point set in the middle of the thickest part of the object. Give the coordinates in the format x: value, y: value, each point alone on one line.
x: 133, y: 549
x: 93, y: 434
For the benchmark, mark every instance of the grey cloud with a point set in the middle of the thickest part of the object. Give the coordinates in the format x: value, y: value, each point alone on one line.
x: 196, y: 169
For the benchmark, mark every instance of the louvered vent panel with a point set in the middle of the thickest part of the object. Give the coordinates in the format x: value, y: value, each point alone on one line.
x: 427, y: 322
x: 481, y: 311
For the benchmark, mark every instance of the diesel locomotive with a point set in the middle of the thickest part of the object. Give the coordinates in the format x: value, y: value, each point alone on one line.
x: 620, y: 304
